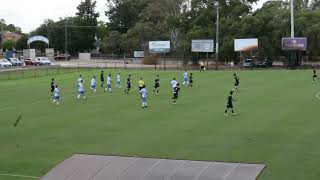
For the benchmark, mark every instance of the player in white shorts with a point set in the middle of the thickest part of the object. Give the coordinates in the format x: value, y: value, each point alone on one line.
x: 93, y: 84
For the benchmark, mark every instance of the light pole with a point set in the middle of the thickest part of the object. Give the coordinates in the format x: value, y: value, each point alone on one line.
x: 292, y: 18
x: 66, y: 40
x: 2, y: 24
x: 217, y: 36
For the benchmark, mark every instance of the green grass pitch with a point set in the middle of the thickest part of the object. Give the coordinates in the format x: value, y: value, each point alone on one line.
x: 278, y: 122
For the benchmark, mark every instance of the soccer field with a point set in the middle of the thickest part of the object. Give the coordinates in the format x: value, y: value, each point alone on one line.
x: 277, y: 124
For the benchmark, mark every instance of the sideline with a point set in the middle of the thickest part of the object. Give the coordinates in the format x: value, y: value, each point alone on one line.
x: 22, y: 176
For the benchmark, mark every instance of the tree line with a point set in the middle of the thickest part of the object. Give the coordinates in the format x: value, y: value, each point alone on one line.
x: 132, y: 23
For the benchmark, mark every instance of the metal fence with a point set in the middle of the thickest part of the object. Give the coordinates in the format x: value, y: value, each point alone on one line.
x: 73, y: 66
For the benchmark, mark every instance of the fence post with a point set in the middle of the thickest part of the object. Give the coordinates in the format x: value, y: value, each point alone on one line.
x: 22, y: 73
x: 47, y: 71
x: 8, y: 75
x: 35, y: 72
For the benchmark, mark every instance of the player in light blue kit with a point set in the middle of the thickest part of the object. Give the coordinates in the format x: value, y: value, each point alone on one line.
x: 81, y: 90
x: 93, y: 84
x: 108, y: 84
x: 80, y: 79
x: 185, y: 78
x: 56, y: 95
x: 118, y: 79
x: 144, y: 93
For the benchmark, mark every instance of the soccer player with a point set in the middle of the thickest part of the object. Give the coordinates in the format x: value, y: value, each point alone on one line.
x: 93, y: 84
x: 102, y: 78
x: 128, y: 84
x: 156, y: 85
x: 174, y: 83
x: 52, y: 86
x: 81, y: 90
x: 108, y: 84
x: 56, y: 95
x: 140, y: 84
x: 80, y: 79
x: 118, y: 78
x: 191, y: 80
x: 230, y: 104
x: 315, y: 76
x: 144, y: 93
x: 237, y: 81
x: 185, y: 78
x: 175, y: 93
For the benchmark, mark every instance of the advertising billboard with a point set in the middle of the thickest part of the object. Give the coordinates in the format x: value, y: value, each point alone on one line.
x: 299, y: 44
x: 138, y: 54
x: 159, y: 46
x: 204, y: 45
x: 246, y: 44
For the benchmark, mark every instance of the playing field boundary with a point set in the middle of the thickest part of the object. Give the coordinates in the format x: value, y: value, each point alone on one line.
x: 21, y: 176
x: 48, y: 101
x: 318, y: 95
x: 126, y: 168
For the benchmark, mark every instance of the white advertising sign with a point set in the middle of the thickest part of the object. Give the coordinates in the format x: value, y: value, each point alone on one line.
x: 138, y: 54
x: 159, y: 46
x: 205, y: 45
x: 246, y: 44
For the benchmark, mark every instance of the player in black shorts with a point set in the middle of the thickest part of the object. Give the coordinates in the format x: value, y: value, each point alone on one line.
x: 52, y: 86
x: 128, y: 85
x: 229, y: 104
x: 156, y: 85
x: 237, y: 81
x: 175, y: 93
x: 191, y: 80
x: 102, y: 78
x: 315, y: 76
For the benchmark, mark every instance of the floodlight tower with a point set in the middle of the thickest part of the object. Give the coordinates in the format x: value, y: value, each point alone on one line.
x: 292, y: 18
x: 217, y: 35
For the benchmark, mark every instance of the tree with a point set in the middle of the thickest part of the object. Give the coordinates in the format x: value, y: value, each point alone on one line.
x: 22, y: 42
x: 8, y: 45
x: 87, y: 19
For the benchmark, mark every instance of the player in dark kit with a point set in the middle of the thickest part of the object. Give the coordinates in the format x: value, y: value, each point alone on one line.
x: 102, y: 78
x: 175, y: 93
x: 315, y: 76
x: 191, y: 80
x: 52, y: 86
x: 156, y: 85
x: 237, y: 81
x: 230, y: 104
x: 128, y: 85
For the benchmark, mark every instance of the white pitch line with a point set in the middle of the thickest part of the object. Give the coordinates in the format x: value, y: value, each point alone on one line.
x: 22, y: 176
x: 318, y: 95
x: 42, y: 101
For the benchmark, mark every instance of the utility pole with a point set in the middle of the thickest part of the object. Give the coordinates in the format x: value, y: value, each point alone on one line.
x: 292, y: 18
x: 2, y: 24
x: 217, y: 36
x: 66, y: 39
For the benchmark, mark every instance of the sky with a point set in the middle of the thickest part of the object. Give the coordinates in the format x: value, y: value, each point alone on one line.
x: 29, y: 14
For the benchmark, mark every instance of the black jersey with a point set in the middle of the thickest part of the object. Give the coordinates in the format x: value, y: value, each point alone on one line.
x: 176, y: 91
x: 101, y: 77
x: 237, y: 80
x: 191, y: 79
x: 52, y: 86
x: 229, y: 103
x: 129, y: 81
x: 157, y: 81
